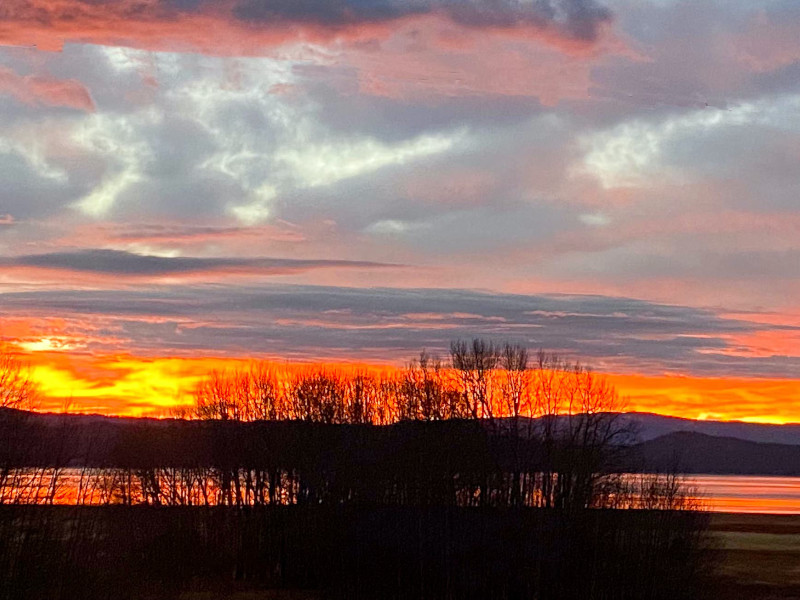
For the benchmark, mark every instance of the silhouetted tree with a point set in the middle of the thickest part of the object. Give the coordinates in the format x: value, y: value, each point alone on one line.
x: 252, y: 394
x: 425, y: 392
x: 17, y: 389
x: 475, y: 363
x: 215, y: 397
x: 318, y: 396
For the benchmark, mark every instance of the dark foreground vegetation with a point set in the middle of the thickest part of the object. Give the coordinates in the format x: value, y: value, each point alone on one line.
x: 348, y: 551
x: 490, y: 477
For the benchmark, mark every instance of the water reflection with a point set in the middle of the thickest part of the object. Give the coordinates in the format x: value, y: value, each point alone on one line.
x: 749, y: 494
x: 718, y: 493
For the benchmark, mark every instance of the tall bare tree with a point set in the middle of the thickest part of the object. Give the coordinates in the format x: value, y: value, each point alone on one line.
x: 426, y: 393
x: 17, y: 389
x: 475, y: 363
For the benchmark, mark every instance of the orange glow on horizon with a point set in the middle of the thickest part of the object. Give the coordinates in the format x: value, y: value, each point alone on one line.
x: 136, y: 386
x: 127, y: 385
x: 757, y: 400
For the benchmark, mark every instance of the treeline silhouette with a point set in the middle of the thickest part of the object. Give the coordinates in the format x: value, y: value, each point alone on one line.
x: 69, y: 459
x: 491, y: 475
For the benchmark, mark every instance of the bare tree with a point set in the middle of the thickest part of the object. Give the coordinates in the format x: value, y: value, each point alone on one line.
x: 362, y: 399
x: 515, y: 397
x: 475, y: 363
x: 254, y: 394
x: 265, y: 393
x: 319, y: 396
x: 515, y: 386
x: 214, y: 397
x: 425, y: 392
x: 17, y: 389
x: 578, y: 427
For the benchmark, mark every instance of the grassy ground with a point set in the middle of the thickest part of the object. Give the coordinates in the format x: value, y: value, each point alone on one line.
x: 759, y: 555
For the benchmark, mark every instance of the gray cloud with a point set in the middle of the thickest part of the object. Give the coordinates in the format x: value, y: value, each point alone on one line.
x: 176, y: 231
x: 346, y: 112
x: 116, y: 262
x: 609, y: 333
x: 578, y: 19
x: 27, y: 191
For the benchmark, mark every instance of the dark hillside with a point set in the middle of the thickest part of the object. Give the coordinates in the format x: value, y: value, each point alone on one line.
x: 691, y: 452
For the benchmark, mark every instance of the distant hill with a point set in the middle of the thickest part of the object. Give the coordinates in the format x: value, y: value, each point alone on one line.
x: 692, y: 452
x: 650, y: 426
x: 664, y: 443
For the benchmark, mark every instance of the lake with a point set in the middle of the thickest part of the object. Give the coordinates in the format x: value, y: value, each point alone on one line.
x: 749, y: 493
x: 719, y: 493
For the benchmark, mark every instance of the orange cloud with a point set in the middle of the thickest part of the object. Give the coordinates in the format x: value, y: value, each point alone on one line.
x: 49, y: 24
x: 765, y: 344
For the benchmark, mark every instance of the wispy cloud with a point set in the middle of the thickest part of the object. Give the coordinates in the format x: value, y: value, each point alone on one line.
x: 610, y: 333
x: 125, y: 264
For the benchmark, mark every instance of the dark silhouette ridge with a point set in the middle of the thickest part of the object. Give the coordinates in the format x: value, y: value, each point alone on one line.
x: 698, y: 453
x: 91, y: 437
x: 650, y: 426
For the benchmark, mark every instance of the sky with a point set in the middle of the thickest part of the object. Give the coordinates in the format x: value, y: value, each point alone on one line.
x: 191, y: 184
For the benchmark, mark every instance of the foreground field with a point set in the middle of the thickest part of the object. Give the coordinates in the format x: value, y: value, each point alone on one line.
x: 347, y: 552
x: 759, y: 559
x: 759, y: 555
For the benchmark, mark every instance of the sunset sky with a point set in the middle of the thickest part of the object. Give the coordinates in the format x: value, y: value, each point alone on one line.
x: 189, y: 184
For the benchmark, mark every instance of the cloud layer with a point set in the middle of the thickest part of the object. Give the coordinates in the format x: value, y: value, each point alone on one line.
x: 391, y: 325
x: 122, y: 264
x: 619, y: 178
x: 261, y: 24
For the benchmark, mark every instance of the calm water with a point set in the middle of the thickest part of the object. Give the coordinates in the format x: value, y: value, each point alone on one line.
x: 720, y: 493
x: 746, y: 493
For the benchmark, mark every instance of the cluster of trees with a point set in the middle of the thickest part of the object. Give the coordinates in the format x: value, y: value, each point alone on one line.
x: 494, y: 426
x: 70, y: 459
x: 362, y: 484
x: 554, y: 427
x: 482, y: 379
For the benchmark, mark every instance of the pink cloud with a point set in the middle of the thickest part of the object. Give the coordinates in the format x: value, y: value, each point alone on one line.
x: 33, y: 89
x: 242, y: 28
x: 431, y: 58
x: 766, y: 45
x: 438, y: 50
